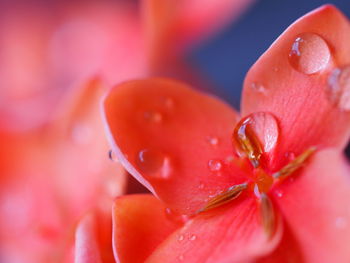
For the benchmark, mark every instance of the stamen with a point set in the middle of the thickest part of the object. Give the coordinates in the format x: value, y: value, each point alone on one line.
x: 267, y: 215
x: 295, y: 164
x: 248, y: 142
x: 231, y: 193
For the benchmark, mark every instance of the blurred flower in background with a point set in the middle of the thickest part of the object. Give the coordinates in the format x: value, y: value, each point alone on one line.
x: 58, y: 58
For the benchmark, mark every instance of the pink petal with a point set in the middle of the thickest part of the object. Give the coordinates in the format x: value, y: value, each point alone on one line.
x: 140, y: 224
x: 173, y: 140
x: 232, y: 233
x: 316, y: 207
x: 299, y: 97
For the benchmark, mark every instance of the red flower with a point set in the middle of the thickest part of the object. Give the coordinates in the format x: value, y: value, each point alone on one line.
x: 275, y: 190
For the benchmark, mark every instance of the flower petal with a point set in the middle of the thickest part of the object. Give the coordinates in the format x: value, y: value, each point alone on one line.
x: 232, y: 233
x: 139, y: 222
x: 174, y: 140
x: 86, y: 244
x: 316, y: 206
x: 173, y: 25
x: 298, y: 97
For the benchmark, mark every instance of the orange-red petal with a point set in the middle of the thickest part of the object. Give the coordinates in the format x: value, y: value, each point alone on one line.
x: 140, y: 224
x: 232, y: 233
x: 298, y: 96
x: 316, y: 207
x: 173, y: 140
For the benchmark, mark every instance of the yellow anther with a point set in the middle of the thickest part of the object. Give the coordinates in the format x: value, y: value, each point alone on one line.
x: 224, y: 197
x: 247, y: 141
x: 295, y: 164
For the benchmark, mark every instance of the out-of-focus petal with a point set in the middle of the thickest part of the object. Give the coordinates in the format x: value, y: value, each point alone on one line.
x: 86, y: 243
x: 172, y: 25
x: 291, y: 78
x: 232, y: 233
x: 175, y: 141
x: 316, y: 207
x: 140, y: 224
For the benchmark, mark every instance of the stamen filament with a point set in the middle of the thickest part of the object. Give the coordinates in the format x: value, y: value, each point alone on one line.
x: 228, y: 195
x: 295, y: 164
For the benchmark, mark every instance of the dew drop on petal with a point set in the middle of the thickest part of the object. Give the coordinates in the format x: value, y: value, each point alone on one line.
x: 338, y: 89
x: 192, y: 237
x: 309, y: 53
x: 154, y: 163
x: 258, y: 87
x: 214, y: 165
x: 201, y: 186
x: 213, y: 140
x: 279, y: 193
x: 153, y: 116
x: 255, y: 134
x: 112, y: 156
x: 290, y: 156
x: 181, y: 238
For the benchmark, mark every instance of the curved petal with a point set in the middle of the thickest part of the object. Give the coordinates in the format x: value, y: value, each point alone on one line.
x: 299, y: 100
x: 316, y: 207
x: 232, y: 233
x: 86, y: 244
x: 140, y: 222
x: 174, y: 140
x: 288, y: 250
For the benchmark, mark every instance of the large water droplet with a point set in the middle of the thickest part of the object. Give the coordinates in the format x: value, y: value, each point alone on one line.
x: 214, y: 165
x: 256, y: 133
x: 339, y: 87
x: 153, y: 116
x: 309, y: 53
x: 154, y: 163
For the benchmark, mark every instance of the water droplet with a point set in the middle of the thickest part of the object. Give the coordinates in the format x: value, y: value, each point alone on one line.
x: 338, y: 90
x: 309, y: 53
x: 181, y: 257
x: 279, y: 193
x: 290, y: 156
x: 154, y: 163
x: 112, y: 156
x: 256, y: 86
x: 214, y: 165
x: 213, y: 140
x: 255, y: 134
x: 153, y: 116
x: 340, y: 222
x: 201, y: 186
x: 192, y: 237
x: 181, y: 238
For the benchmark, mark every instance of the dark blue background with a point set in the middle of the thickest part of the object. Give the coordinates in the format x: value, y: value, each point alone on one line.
x: 226, y: 58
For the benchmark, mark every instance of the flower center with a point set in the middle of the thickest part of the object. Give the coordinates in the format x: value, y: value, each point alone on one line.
x: 250, y: 146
